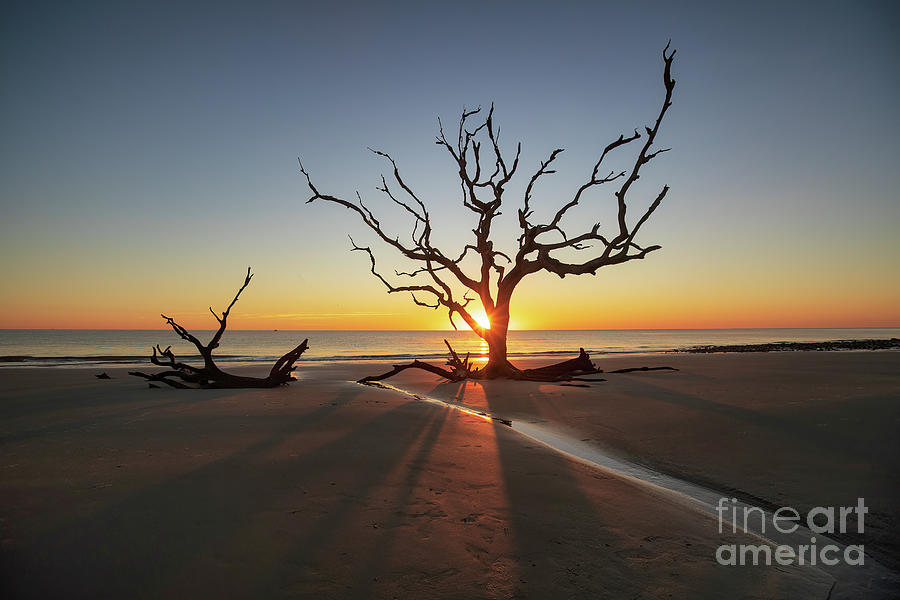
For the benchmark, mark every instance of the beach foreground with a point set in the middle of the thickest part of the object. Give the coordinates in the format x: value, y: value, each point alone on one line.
x: 326, y: 488
x: 799, y: 429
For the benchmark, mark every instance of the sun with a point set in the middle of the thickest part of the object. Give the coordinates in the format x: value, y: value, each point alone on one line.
x: 482, y: 320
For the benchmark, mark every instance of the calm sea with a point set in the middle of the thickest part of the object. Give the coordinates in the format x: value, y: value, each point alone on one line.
x: 61, y: 347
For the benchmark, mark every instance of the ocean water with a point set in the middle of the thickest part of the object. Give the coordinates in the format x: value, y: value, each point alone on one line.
x: 60, y: 347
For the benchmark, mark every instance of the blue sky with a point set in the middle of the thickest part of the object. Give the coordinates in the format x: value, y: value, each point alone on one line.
x: 148, y: 151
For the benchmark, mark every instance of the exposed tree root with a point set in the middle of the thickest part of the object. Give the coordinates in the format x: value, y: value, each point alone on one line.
x: 566, y: 371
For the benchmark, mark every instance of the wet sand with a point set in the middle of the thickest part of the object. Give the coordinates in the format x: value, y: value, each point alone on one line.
x: 330, y: 489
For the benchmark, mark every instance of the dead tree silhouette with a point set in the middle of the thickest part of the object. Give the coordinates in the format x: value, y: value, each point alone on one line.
x: 210, y: 375
x: 484, y: 173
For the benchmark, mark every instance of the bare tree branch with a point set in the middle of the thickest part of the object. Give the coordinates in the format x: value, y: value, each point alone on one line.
x: 214, y: 343
x: 615, y: 251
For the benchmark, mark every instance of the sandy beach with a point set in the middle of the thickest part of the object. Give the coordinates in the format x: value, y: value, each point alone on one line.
x: 329, y: 489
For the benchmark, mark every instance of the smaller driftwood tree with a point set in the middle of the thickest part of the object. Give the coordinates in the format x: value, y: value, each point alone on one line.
x: 181, y: 375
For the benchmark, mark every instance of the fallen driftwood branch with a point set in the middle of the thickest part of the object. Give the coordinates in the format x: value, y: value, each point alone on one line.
x: 459, y: 368
x: 416, y: 364
x: 566, y: 369
x: 210, y: 375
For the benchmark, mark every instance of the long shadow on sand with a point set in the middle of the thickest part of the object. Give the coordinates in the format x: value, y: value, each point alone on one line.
x: 118, y: 410
x: 549, y: 552
x: 146, y: 540
x: 368, y: 570
x: 807, y: 431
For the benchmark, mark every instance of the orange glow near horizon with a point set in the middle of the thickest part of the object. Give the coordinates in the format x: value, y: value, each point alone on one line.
x: 643, y: 296
x: 733, y: 317
x: 722, y: 310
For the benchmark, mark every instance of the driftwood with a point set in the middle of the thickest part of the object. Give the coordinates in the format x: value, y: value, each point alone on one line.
x: 180, y: 375
x: 459, y: 369
x: 416, y: 364
x: 563, y: 370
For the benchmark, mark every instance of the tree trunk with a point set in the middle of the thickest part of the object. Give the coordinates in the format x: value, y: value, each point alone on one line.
x: 498, y: 366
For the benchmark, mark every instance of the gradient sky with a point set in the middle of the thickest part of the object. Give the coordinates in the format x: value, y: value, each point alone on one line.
x: 148, y: 156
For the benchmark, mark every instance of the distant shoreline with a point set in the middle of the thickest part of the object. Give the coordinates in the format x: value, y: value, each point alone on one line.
x: 887, y: 344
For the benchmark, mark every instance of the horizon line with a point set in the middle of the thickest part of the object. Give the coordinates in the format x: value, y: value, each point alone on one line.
x: 897, y: 326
